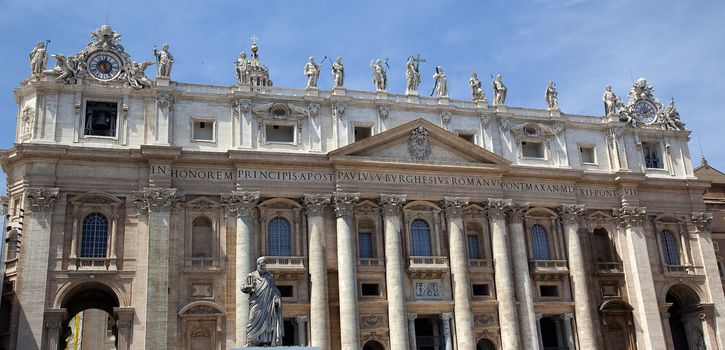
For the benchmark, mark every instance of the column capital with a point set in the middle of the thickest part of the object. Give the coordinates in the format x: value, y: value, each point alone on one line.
x: 392, y: 203
x: 518, y: 209
x: 539, y: 316
x: 240, y: 203
x: 453, y: 206
x: 571, y: 213
x: 702, y: 221
x: 446, y: 316
x: 54, y: 318
x: 156, y: 199
x: 497, y: 207
x: 40, y: 199
x: 630, y: 215
x: 567, y: 316
x: 344, y: 203
x: 124, y: 315
x: 315, y: 203
x: 301, y: 319
x: 411, y: 316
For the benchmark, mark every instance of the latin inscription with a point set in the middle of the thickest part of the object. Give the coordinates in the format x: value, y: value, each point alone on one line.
x: 287, y: 175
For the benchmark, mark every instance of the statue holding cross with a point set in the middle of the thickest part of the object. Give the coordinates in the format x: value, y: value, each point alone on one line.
x: 412, y: 75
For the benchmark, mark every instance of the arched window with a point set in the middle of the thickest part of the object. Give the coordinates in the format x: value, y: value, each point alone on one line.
x: 279, y: 237
x: 669, y: 248
x: 201, y: 238
x: 540, y: 243
x: 420, y: 236
x: 94, y: 239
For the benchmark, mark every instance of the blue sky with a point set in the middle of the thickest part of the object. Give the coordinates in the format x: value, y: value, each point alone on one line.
x: 679, y: 46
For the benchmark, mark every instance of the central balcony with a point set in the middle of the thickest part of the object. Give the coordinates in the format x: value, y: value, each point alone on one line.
x: 684, y: 270
x: 371, y: 263
x: 201, y: 264
x: 286, y: 266
x: 548, y: 270
x: 480, y: 265
x: 609, y: 268
x: 92, y: 264
x: 428, y: 267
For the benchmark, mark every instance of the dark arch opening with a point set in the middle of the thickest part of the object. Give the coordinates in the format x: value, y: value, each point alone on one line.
x: 91, y: 296
x: 684, y: 300
x: 373, y: 345
x: 485, y: 344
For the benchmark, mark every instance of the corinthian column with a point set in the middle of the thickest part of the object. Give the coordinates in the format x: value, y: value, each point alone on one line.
x: 319, y: 309
x: 39, y: 205
x: 638, y: 275
x: 242, y: 205
x: 502, y: 272
x: 459, y: 272
x: 570, y: 215
x: 347, y: 279
x: 703, y: 224
x: 522, y: 279
x: 158, y: 203
x: 392, y: 203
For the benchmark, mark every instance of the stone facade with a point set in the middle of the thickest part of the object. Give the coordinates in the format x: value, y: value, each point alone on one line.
x: 389, y: 221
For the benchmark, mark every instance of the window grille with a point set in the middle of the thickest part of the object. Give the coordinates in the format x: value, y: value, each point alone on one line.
x: 279, y: 237
x: 474, y: 252
x: 420, y: 233
x: 540, y: 243
x: 669, y: 248
x: 94, y: 240
x: 366, y: 245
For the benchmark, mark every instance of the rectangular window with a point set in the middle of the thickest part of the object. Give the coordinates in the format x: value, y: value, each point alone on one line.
x: 652, y: 156
x: 473, y: 249
x: 286, y: 291
x: 280, y: 133
x: 370, y: 289
x: 366, y: 245
x: 101, y: 118
x: 480, y: 290
x: 588, y: 155
x: 531, y: 149
x: 362, y: 132
x: 720, y: 269
x: 467, y: 136
x: 549, y: 291
x: 203, y: 130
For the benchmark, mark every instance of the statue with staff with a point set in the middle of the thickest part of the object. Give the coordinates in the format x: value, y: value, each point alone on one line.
x: 265, y: 327
x: 412, y: 75
x: 38, y: 58
x: 338, y: 73
x: 312, y: 71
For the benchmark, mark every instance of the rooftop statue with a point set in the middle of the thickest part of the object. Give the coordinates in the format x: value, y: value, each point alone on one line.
x: 441, y: 83
x: 499, y: 91
x: 38, y: 58
x: 477, y: 92
x: 412, y: 76
x: 670, y: 117
x: 312, y: 71
x: 164, y: 61
x: 640, y: 91
x: 380, y: 77
x: 241, y: 65
x: 610, y: 101
x: 136, y: 75
x: 70, y: 68
x: 265, y: 327
x: 338, y: 73
x: 552, y: 96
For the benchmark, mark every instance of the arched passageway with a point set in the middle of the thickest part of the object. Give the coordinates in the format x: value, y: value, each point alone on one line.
x: 373, y: 345
x: 485, y: 344
x: 685, y: 324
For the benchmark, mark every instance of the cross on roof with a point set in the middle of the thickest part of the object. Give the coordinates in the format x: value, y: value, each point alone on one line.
x: 254, y: 39
x: 418, y: 60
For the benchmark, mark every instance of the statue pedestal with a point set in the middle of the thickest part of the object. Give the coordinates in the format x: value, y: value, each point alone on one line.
x: 444, y: 100
x: 295, y: 347
x: 481, y: 104
x: 501, y: 108
x: 554, y: 112
x: 244, y: 87
x: 160, y: 81
x: 338, y: 91
x: 381, y: 95
x: 312, y: 91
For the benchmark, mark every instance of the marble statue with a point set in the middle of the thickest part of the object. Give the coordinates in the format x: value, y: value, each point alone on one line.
x: 338, y: 73
x: 70, y: 68
x: 265, y: 327
x: 610, y: 101
x: 670, y: 117
x: 441, y: 83
x: 312, y: 71
x: 499, y: 91
x: 477, y: 92
x: 242, y: 67
x: 412, y: 76
x: 380, y: 77
x: 38, y: 58
x: 164, y: 61
x: 640, y: 91
x: 552, y: 96
x: 136, y: 75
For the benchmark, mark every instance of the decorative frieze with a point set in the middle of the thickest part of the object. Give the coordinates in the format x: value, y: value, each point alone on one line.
x: 315, y: 203
x: 497, y: 208
x: 427, y: 290
x: 156, y: 200
x: 372, y: 321
x: 630, y: 215
x: 453, y: 206
x: 702, y: 221
x: 485, y: 320
x: 344, y: 203
x: 27, y: 116
x: 40, y: 199
x: 517, y: 212
x: 571, y: 213
x: 240, y: 203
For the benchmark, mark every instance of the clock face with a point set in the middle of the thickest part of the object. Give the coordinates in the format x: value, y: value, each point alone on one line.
x: 645, y: 111
x: 104, y: 66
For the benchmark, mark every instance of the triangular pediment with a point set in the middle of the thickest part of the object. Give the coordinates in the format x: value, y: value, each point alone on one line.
x: 419, y: 141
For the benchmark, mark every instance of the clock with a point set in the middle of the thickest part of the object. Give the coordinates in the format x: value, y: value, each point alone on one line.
x: 645, y: 111
x: 104, y: 66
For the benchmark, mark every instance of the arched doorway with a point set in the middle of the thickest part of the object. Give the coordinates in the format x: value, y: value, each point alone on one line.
x: 91, y: 318
x: 373, y: 345
x: 685, y: 327
x: 485, y: 344
x: 617, y: 325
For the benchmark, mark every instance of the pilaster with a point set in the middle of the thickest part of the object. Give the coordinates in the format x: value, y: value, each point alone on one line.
x: 522, y: 279
x: 347, y: 277
x: 319, y: 308
x: 703, y: 226
x: 164, y: 124
x: 394, y: 277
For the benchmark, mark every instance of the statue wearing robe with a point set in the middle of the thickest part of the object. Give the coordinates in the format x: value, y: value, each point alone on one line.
x: 265, y: 327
